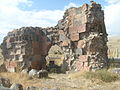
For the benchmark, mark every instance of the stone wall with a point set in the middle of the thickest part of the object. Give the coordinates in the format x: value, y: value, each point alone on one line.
x: 83, y: 37
x: 81, y: 34
x: 26, y: 47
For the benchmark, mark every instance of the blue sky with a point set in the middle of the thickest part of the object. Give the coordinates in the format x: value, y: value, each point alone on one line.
x: 55, y: 4
x: 17, y: 13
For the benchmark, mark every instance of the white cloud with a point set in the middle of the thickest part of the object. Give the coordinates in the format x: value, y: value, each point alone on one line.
x: 11, y: 16
x: 112, y: 18
x: 71, y: 5
x: 112, y: 1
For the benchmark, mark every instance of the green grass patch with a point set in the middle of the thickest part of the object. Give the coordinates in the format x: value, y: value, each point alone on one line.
x: 103, y: 75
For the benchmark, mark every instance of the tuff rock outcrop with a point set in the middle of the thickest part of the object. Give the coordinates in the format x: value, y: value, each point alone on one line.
x: 81, y: 35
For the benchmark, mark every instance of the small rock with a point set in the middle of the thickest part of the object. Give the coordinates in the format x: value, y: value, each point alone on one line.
x: 116, y: 70
x: 33, y: 72
x: 32, y: 88
x: 24, y: 71
x: 50, y: 88
x: 16, y: 86
x: 42, y: 73
x: 56, y: 88
x: 5, y: 82
x: 4, y: 88
x: 45, y: 89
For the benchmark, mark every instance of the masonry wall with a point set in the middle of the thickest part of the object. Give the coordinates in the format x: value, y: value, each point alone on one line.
x: 81, y: 34
x: 83, y: 37
x: 26, y: 47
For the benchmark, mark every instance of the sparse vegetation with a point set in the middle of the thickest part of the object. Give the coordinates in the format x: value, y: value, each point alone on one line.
x: 102, y: 75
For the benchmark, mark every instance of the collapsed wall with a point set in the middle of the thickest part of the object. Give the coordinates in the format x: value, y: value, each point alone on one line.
x: 81, y: 34
x: 27, y: 47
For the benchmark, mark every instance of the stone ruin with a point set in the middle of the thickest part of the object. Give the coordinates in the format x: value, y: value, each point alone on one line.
x: 81, y: 35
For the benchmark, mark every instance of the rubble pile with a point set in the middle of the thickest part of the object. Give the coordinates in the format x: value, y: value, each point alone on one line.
x: 81, y: 35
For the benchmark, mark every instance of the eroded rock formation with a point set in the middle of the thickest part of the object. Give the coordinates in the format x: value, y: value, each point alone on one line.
x: 81, y: 34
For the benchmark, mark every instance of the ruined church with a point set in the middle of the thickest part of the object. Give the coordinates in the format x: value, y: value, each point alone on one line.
x: 76, y: 43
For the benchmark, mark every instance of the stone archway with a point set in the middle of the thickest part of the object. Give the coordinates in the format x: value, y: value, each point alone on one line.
x: 55, y: 59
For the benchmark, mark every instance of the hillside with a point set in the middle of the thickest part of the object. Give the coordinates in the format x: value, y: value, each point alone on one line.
x: 114, y: 46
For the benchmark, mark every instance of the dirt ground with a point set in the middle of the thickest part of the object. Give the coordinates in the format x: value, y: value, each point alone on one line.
x: 63, y: 81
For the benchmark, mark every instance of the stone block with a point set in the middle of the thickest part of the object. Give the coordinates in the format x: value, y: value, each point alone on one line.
x: 74, y: 37
x: 10, y: 64
x: 81, y: 28
x: 65, y: 43
x: 16, y: 86
x: 10, y: 40
x: 62, y: 37
x: 77, y: 21
x: 79, y: 51
x: 77, y: 29
x: 72, y: 30
x: 60, y: 32
x: 84, y: 58
x: 85, y: 7
x: 72, y: 12
x: 81, y: 44
x: 82, y: 66
x: 8, y: 45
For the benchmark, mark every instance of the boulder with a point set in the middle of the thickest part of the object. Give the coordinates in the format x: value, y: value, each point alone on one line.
x: 42, y: 74
x: 25, y: 71
x: 33, y: 72
x: 5, y: 82
x: 116, y: 70
x: 16, y: 86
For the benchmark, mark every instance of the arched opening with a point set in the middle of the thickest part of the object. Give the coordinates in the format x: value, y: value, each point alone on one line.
x: 55, y: 59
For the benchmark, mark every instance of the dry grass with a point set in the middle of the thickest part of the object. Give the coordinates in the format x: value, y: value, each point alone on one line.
x: 23, y: 79
x: 102, y: 75
x: 75, y: 75
x: 73, y: 81
x: 114, y: 47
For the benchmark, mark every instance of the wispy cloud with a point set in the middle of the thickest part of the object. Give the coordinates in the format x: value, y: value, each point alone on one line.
x: 11, y: 16
x: 112, y: 1
x: 71, y: 5
x: 112, y: 17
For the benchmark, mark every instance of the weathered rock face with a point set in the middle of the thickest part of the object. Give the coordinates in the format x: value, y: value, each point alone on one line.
x: 81, y: 34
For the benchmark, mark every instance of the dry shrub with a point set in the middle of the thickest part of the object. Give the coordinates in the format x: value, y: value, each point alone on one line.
x: 16, y: 77
x: 75, y: 75
x: 102, y: 75
x: 23, y: 79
